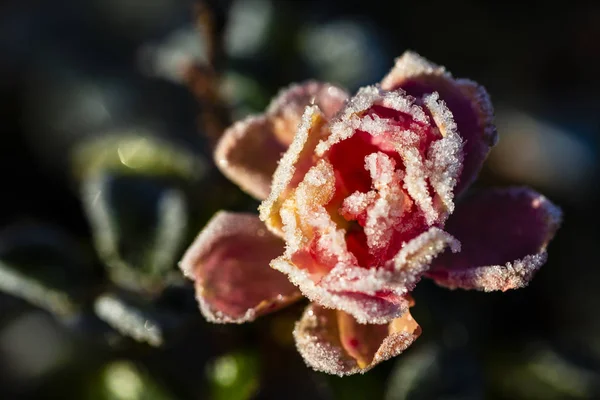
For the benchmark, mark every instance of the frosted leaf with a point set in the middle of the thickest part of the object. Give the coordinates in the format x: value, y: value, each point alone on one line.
x: 504, y: 235
x: 335, y: 343
x: 469, y: 103
x: 229, y: 262
x: 296, y: 161
x: 128, y: 320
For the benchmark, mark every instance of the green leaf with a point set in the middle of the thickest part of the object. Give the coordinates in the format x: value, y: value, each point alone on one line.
x: 151, y: 321
x: 140, y: 227
x: 134, y: 153
x: 46, y: 267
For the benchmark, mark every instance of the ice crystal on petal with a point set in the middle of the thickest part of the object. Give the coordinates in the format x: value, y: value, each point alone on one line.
x: 247, y: 155
x: 400, y: 274
x: 512, y: 275
x: 505, y: 250
x: 296, y: 161
x: 409, y: 65
x: 347, y: 121
x: 229, y: 262
x: 249, y: 150
x: 445, y: 157
x: 469, y: 103
x: 333, y: 342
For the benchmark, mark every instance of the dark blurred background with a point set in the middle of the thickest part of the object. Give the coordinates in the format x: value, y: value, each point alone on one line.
x: 107, y: 176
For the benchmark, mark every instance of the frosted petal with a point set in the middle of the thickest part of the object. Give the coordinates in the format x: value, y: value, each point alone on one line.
x: 229, y: 262
x: 504, y: 235
x: 365, y: 308
x: 400, y: 275
x: 249, y: 150
x: 286, y: 109
x: 469, y: 103
x: 247, y: 154
x: 333, y: 342
x: 294, y: 164
x: 424, y: 137
x: 445, y: 156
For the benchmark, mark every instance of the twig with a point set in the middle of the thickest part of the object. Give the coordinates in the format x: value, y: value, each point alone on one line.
x: 204, y: 80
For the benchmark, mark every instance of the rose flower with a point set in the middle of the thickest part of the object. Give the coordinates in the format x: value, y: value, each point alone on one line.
x: 362, y: 197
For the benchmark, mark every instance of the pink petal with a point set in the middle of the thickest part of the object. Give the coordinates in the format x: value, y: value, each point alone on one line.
x: 292, y: 167
x: 229, y: 262
x: 400, y: 274
x: 360, y: 246
x: 248, y: 151
x: 247, y: 154
x: 287, y: 108
x: 504, y: 235
x: 469, y: 103
x: 376, y: 308
x: 333, y: 342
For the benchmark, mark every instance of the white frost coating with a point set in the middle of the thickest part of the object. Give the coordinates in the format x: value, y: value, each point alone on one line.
x: 218, y: 317
x: 443, y: 162
x: 304, y: 216
x: 350, y: 118
x: 363, y: 280
x: 439, y: 168
x: 512, y: 275
x: 415, y: 182
x: 365, y: 310
x: 398, y: 100
x: 127, y: 320
x: 20, y: 285
x: 320, y: 354
x: 386, y: 207
x: 408, y: 65
x: 292, y: 100
x: 483, y: 104
x: 415, y: 257
x: 348, y: 121
x: 320, y: 346
x: 356, y: 204
x: 445, y: 156
x: 399, y: 275
x: 311, y: 120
